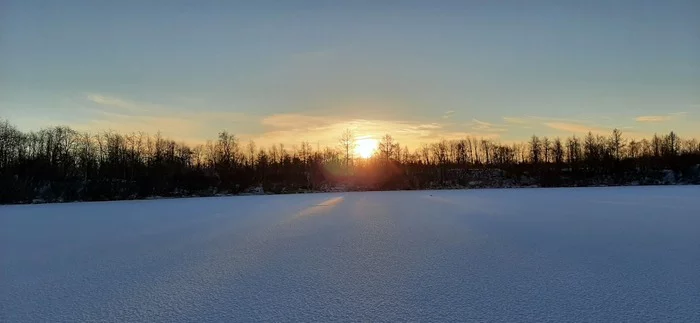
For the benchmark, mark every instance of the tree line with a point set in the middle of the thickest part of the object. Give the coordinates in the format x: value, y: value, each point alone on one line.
x: 62, y: 164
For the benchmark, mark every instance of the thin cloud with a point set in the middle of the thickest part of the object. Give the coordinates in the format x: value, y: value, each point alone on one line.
x: 110, y: 101
x: 516, y: 120
x: 121, y: 105
x: 457, y: 135
x: 575, y: 128
x: 487, y: 126
x: 564, y: 126
x: 175, y: 128
x: 179, y: 123
x: 481, y: 123
x: 429, y: 126
x: 580, y: 129
x: 296, y: 121
x: 652, y: 118
x: 448, y: 114
x: 525, y: 120
x: 291, y: 129
x: 659, y: 118
x: 107, y: 100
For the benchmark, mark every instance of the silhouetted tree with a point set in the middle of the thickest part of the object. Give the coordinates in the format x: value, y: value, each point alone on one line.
x: 616, y: 144
x: 546, y: 149
x: 347, y: 145
x: 535, y: 149
x: 61, y: 164
x: 387, y: 147
x: 558, y: 151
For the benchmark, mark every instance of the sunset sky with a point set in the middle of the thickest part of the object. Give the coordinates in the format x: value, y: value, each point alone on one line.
x: 287, y: 71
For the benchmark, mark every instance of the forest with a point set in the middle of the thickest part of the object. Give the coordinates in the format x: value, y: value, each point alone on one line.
x: 59, y: 164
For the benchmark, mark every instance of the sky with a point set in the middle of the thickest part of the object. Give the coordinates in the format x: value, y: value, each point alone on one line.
x: 292, y: 71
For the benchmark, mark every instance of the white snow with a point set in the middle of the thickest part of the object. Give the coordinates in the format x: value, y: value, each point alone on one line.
x: 558, y: 255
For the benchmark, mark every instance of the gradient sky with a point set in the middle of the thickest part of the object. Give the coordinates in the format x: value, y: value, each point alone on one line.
x: 287, y: 71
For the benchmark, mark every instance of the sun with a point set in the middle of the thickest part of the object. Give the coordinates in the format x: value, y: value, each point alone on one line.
x: 366, y: 147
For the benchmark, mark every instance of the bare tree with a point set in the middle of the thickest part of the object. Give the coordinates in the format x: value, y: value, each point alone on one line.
x: 546, y: 150
x: 475, y: 151
x: 347, y: 145
x: 535, y: 149
x: 573, y: 148
x: 251, y: 153
x: 671, y: 144
x: 656, y: 145
x: 616, y: 144
x: 59, y: 163
x: 558, y: 151
x: 440, y: 152
x: 486, y: 148
x: 633, y: 149
x: 590, y: 148
x: 388, y: 147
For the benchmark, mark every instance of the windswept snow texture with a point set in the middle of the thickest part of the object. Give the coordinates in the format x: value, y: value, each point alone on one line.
x: 556, y: 255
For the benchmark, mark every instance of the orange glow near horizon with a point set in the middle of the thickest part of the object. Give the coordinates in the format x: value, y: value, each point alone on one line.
x: 366, y: 147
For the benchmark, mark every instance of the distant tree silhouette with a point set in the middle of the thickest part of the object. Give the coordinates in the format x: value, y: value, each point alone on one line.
x: 347, y: 146
x: 558, y: 152
x: 535, y: 150
x: 61, y: 164
x: 387, y: 147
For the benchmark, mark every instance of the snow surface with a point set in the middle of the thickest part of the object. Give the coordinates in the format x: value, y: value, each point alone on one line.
x: 589, y: 254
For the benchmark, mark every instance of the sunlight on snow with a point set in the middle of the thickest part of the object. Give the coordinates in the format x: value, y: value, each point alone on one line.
x: 318, y: 208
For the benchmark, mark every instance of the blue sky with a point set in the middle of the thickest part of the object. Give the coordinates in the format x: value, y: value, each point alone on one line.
x: 287, y: 71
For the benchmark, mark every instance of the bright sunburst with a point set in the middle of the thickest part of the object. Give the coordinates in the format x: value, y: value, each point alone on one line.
x: 365, y: 147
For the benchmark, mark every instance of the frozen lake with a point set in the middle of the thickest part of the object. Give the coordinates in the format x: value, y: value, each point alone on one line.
x: 589, y: 254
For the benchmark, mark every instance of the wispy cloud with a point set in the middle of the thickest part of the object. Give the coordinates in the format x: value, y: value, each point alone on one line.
x: 515, y: 120
x: 121, y: 105
x: 556, y: 126
x: 194, y: 125
x: 181, y: 123
x: 652, y: 118
x: 529, y: 120
x: 175, y: 128
x: 568, y: 128
x: 659, y: 118
x: 101, y: 99
x: 291, y: 129
x: 296, y: 121
x: 448, y: 114
x: 487, y: 126
x: 125, y: 115
x: 576, y: 128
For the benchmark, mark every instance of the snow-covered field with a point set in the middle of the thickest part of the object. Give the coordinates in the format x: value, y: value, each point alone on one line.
x: 558, y: 255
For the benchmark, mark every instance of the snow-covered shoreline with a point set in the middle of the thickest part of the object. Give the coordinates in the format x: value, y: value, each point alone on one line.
x: 256, y: 191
